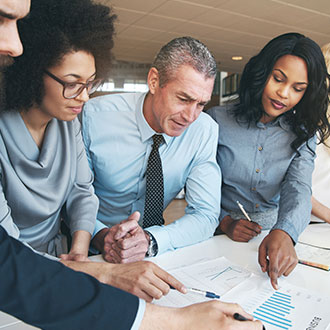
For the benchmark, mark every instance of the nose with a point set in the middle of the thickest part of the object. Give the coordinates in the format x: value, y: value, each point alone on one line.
x: 283, y: 91
x: 11, y: 43
x: 190, y: 114
x: 83, y: 96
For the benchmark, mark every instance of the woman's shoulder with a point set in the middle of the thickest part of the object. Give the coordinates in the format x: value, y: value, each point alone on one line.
x: 222, y: 113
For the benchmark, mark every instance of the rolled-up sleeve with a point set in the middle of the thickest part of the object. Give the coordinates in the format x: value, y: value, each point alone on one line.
x: 295, y: 201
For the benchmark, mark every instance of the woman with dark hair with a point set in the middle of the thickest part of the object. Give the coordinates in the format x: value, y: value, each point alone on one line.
x: 266, y: 148
x: 321, y: 174
x: 44, y: 173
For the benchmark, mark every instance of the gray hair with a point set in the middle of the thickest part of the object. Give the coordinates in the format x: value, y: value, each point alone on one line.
x: 184, y: 51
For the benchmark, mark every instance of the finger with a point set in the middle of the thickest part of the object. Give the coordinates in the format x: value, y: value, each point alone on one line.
x: 143, y: 295
x: 64, y: 257
x: 134, y: 216
x: 133, y: 240
x: 230, y: 309
x: 246, y: 236
x: 170, y: 280
x: 249, y: 325
x: 129, y: 253
x: 253, y: 226
x: 136, y: 257
x: 273, y: 272
x: 262, y: 257
x: 113, y: 255
x: 124, y: 228
x: 290, y: 268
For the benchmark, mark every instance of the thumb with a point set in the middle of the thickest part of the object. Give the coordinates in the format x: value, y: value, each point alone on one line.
x: 134, y: 216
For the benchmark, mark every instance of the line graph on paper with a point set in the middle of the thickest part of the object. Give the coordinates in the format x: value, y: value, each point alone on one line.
x: 217, y: 275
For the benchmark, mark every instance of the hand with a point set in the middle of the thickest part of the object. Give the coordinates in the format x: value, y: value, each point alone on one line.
x: 79, y: 248
x: 239, y: 230
x: 126, y: 242
x: 277, y: 255
x: 144, y: 278
x: 74, y: 257
x: 216, y: 314
x: 132, y: 247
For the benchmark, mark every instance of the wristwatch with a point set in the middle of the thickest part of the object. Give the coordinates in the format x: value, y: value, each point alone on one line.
x: 153, y: 246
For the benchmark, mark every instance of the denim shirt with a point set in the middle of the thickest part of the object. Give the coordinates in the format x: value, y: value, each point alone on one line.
x: 262, y: 171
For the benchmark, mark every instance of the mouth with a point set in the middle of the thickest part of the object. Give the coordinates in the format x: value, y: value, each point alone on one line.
x: 277, y: 104
x: 76, y: 109
x: 179, y: 124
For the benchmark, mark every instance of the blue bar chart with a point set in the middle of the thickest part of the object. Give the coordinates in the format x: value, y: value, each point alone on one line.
x: 276, y: 310
x: 289, y: 308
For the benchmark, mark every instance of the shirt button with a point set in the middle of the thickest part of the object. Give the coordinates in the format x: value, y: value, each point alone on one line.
x: 254, y: 189
x: 260, y: 148
x: 257, y: 170
x: 257, y: 205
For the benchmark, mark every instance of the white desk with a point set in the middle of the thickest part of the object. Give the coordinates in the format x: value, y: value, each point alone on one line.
x: 244, y: 254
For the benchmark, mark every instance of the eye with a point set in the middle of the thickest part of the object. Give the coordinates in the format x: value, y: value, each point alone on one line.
x: 71, y: 85
x: 183, y: 99
x: 299, y: 90
x: 278, y: 79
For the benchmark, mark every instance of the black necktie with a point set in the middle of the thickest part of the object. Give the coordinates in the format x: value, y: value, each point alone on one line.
x: 154, y: 201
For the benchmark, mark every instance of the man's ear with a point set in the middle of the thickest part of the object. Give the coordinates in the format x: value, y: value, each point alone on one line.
x: 153, y: 80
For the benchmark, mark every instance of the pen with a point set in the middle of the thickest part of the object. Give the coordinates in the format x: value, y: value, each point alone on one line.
x: 314, y: 264
x: 239, y: 317
x: 206, y: 294
x: 243, y: 211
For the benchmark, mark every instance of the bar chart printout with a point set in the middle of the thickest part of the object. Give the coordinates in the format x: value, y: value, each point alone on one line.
x: 290, y: 307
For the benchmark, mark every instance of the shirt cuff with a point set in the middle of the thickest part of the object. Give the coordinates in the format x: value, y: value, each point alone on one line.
x: 98, y: 226
x: 223, y: 213
x: 289, y: 230
x: 161, y: 237
x: 139, y: 315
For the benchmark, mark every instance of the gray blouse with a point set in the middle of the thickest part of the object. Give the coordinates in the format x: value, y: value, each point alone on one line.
x: 39, y: 186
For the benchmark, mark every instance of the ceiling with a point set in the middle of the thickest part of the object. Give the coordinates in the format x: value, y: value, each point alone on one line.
x: 227, y: 27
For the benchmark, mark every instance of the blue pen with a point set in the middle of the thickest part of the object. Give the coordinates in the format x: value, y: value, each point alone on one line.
x: 206, y: 294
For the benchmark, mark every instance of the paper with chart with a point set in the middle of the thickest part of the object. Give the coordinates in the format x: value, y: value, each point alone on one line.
x: 217, y: 275
x: 289, y: 308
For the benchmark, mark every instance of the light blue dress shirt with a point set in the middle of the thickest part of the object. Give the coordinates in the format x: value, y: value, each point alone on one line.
x: 263, y: 172
x: 118, y: 142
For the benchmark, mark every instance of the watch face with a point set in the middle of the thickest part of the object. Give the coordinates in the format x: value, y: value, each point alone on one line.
x: 153, y: 247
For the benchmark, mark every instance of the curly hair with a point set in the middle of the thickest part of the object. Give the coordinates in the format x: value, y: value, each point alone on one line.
x: 53, y: 29
x: 310, y: 115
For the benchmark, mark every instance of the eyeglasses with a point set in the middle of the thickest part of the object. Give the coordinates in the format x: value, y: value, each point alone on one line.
x: 72, y: 90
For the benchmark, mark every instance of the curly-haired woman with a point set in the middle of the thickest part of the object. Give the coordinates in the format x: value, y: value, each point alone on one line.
x: 44, y: 173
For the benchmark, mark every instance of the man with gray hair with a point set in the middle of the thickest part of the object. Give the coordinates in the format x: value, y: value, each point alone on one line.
x: 144, y: 148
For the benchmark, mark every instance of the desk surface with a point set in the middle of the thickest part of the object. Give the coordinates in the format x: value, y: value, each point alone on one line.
x: 244, y: 254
